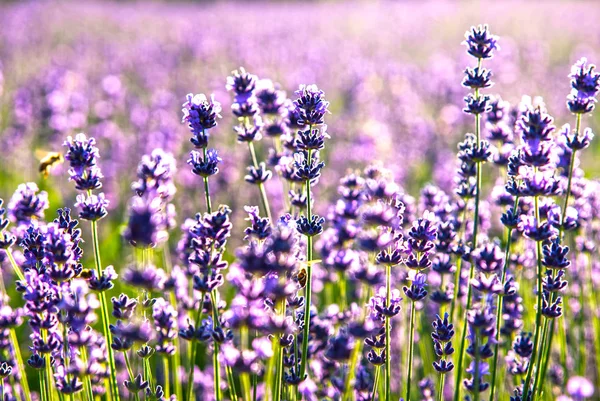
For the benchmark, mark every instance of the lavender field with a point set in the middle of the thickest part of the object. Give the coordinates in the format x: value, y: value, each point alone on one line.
x: 299, y: 201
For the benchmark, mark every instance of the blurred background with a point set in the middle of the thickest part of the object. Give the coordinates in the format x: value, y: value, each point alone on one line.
x: 392, y: 71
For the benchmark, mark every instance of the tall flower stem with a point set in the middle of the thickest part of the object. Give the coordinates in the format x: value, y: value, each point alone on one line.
x: 114, y: 392
x: 463, y: 340
x: 206, y: 188
x: 476, y: 373
x: 216, y: 366
x: 538, y: 314
x: 244, y: 377
x: 19, y: 360
x: 43, y: 395
x: 14, y: 265
x: 376, y: 382
x: 499, y: 306
x: 355, y: 353
x: 551, y: 324
x: 441, y: 388
x: 197, y: 321
x: 87, y: 381
x: 165, y: 363
x: 130, y: 371
x: 12, y: 333
x: 458, y: 272
x: 388, y: 335
x: 279, y: 376
x: 308, y: 290
x: 562, y: 221
x: 261, y: 186
x: 411, y: 340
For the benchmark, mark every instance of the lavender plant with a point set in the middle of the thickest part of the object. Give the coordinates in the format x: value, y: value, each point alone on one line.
x: 271, y: 295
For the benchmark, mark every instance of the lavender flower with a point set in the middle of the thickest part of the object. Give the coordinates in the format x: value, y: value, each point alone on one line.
x: 200, y: 113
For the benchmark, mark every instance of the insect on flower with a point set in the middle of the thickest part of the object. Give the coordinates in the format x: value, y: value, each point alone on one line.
x: 48, y: 161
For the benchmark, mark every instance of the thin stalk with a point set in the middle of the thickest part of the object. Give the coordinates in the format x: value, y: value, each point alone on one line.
x: 499, y: 307
x: 87, y: 381
x: 231, y: 381
x: 130, y: 371
x: 194, y: 350
x: 388, y: 335
x: 269, y: 384
x: 544, y: 346
x: 355, y: 353
x: 284, y: 183
x: 216, y: 373
x: 569, y: 180
x: 441, y: 388
x: 14, y: 265
x: 114, y: 392
x: 47, y: 369
x: 176, y: 360
x: 254, y: 387
x: 279, y: 376
x: 411, y: 341
x: 206, y: 189
x: 245, y: 378
x: 308, y: 289
x: 261, y: 186
x: 538, y: 314
x: 458, y: 272
x: 216, y: 364
x: 43, y: 394
x: 19, y: 358
x: 560, y: 237
x: 474, y: 245
x: 376, y: 382
x: 165, y: 361
x: 476, y: 373
x: 342, y: 290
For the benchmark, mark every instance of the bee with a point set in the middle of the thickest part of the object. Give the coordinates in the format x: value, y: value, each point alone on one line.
x: 301, y: 277
x: 48, y: 161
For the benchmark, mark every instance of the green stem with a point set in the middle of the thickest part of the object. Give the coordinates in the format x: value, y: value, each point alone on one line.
x: 87, y: 381
x: 279, y: 376
x: 458, y: 272
x: 538, y: 314
x: 563, y: 338
x: 388, y: 335
x: 245, y: 378
x: 231, y: 381
x: 165, y: 360
x: 342, y: 290
x: 14, y: 265
x: 308, y: 290
x: 411, y: 340
x: 441, y: 388
x: 216, y: 364
x: 376, y: 382
x: 476, y: 372
x: 499, y: 306
x: 194, y: 350
x: 206, y: 188
x: 43, y: 394
x: 130, y: 371
x: 176, y: 360
x: 478, y: 166
x: 355, y: 353
x: 263, y: 193
x: 114, y: 392
x: 21, y: 366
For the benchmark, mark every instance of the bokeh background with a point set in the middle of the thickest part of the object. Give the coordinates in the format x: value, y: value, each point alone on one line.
x: 392, y: 71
